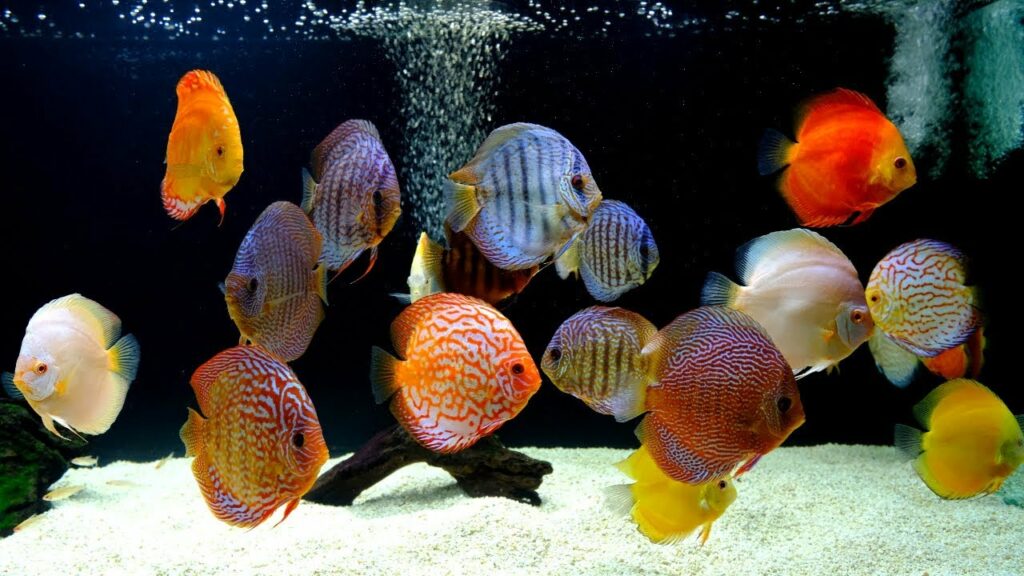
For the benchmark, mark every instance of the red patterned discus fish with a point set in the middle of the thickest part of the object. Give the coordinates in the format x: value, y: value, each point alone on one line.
x: 723, y: 395
x: 464, y: 371
x: 275, y: 288
x: 352, y: 195
x: 260, y: 445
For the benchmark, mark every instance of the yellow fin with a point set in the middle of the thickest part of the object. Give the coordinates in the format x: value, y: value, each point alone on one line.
x: 123, y: 358
x: 461, y: 204
x: 308, y: 192
x: 321, y: 282
x: 382, y: 374
x: 569, y: 262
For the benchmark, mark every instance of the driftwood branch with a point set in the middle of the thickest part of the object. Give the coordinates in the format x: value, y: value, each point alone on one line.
x: 487, y: 468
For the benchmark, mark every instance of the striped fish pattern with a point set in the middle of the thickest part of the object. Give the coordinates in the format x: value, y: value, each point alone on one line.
x: 615, y: 254
x: 260, y: 445
x: 722, y: 396
x: 524, y: 197
x: 918, y: 298
x: 596, y: 356
x: 464, y: 371
x: 275, y: 288
x: 352, y: 195
x: 462, y: 268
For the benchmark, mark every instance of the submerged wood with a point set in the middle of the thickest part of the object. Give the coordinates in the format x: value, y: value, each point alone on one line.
x: 487, y: 468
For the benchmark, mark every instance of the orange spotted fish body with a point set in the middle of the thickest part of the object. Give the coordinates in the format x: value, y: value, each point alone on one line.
x: 848, y: 159
x: 260, y: 445
x: 204, y: 149
x: 723, y: 395
x: 352, y: 195
x: 275, y: 290
x: 464, y: 371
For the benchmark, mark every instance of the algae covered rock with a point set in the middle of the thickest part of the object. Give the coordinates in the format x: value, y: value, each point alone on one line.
x: 31, y: 459
x: 1013, y: 489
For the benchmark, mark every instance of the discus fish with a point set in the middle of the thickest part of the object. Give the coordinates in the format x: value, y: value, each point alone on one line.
x: 524, y: 197
x: 275, y: 288
x: 74, y: 367
x: 596, y: 356
x: 723, y: 396
x: 803, y: 291
x: 973, y: 442
x: 352, y: 195
x: 848, y: 159
x: 918, y: 297
x: 260, y: 445
x: 615, y: 254
x: 901, y: 366
x: 462, y: 268
x: 464, y: 371
x: 204, y: 149
x: 666, y: 510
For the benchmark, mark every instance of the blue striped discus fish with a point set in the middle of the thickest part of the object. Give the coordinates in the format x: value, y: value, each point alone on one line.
x: 260, y: 445
x: 352, y: 195
x: 615, y: 254
x: 918, y: 298
x: 524, y: 197
x: 275, y: 288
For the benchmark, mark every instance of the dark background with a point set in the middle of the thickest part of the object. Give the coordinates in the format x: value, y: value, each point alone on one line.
x: 668, y: 123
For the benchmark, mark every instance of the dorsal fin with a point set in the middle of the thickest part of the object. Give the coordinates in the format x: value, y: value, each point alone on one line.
x: 823, y: 107
x: 344, y: 130
x: 196, y: 80
x: 206, y: 376
x: 499, y: 136
x: 771, y: 248
x: 106, y: 323
x: 962, y: 387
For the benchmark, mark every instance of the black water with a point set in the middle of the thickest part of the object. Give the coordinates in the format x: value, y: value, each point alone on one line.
x: 669, y: 124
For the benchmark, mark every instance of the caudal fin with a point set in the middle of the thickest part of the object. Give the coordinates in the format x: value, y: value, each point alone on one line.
x: 123, y: 358
x: 773, y: 152
x: 718, y: 291
x: 192, y: 434
x: 908, y: 442
x: 382, y: 374
x: 461, y: 204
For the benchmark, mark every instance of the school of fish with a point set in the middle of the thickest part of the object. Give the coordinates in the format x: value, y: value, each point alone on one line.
x: 716, y: 387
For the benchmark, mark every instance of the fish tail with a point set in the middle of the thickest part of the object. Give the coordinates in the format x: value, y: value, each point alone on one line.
x: 308, y: 191
x: 908, y: 442
x: 7, y: 379
x: 719, y: 291
x: 461, y: 204
x: 619, y: 499
x: 321, y: 282
x: 382, y: 374
x: 192, y: 434
x: 123, y: 358
x: 427, y: 262
x: 773, y: 152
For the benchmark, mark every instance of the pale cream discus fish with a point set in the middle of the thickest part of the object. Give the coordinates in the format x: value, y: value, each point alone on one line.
x: 75, y: 367
x: 805, y: 293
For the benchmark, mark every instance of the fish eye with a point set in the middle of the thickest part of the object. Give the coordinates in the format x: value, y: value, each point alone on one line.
x: 378, y: 199
x: 857, y: 316
x: 784, y: 404
x: 722, y: 484
x: 253, y: 284
x: 875, y: 298
x: 555, y: 354
x: 299, y: 440
x: 518, y: 369
x: 577, y: 182
x: 41, y: 369
x: 900, y: 163
x: 220, y: 150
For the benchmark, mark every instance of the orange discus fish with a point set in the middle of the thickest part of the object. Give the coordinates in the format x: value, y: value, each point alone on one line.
x: 204, y: 149
x: 260, y: 445
x: 723, y: 395
x: 848, y: 159
x: 464, y: 371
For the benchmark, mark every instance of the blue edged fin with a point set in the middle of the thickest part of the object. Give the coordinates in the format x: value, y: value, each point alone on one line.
x: 718, y: 291
x: 908, y: 442
x: 773, y: 152
x: 123, y: 358
x: 897, y: 364
x: 382, y: 374
x: 308, y: 191
x: 8, y: 383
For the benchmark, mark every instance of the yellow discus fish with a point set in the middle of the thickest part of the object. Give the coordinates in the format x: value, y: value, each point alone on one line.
x: 666, y: 510
x: 973, y: 442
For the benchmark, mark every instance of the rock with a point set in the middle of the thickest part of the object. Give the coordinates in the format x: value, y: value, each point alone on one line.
x: 31, y: 459
x: 487, y: 468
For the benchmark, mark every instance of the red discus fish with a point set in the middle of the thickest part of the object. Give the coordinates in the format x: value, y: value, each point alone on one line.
x: 848, y: 159
x: 723, y: 395
x: 260, y: 445
x: 464, y: 371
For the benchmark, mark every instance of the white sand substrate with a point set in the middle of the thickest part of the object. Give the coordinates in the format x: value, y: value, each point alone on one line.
x: 821, y: 510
